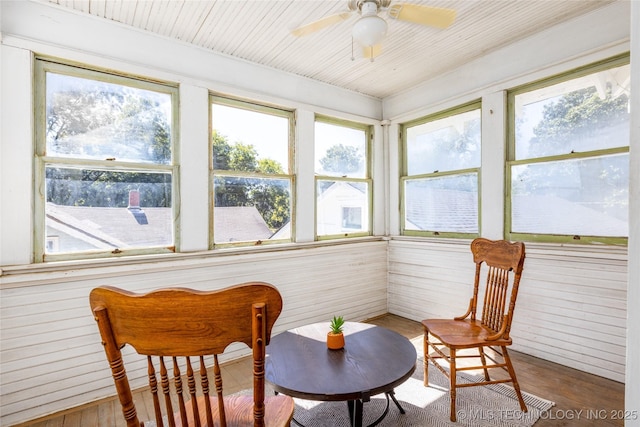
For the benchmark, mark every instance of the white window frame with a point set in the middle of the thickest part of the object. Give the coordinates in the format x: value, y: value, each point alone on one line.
x: 594, y: 154
x: 404, y: 178
x: 289, y: 174
x: 42, y: 160
x: 368, y: 131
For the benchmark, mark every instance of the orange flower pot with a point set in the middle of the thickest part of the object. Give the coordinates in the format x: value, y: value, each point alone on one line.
x: 335, y: 341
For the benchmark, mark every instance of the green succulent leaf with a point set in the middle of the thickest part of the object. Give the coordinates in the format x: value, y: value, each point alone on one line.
x: 337, y: 324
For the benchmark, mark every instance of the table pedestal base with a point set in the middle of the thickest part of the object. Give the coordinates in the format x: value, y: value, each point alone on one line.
x: 356, y: 409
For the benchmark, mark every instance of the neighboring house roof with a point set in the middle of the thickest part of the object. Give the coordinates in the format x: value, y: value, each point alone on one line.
x: 555, y: 215
x: 235, y: 224
x: 441, y: 210
x: 104, y: 228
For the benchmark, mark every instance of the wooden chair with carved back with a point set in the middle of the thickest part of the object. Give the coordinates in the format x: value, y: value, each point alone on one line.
x: 499, y: 264
x: 181, y: 332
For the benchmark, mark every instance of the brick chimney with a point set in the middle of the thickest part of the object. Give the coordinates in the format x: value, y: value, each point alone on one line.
x: 134, y: 199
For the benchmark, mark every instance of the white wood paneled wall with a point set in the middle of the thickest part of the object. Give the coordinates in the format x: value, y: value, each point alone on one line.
x: 571, y: 306
x: 51, y: 353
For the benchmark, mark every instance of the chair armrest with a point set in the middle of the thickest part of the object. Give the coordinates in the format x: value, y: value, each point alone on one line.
x: 469, y: 310
x: 501, y: 332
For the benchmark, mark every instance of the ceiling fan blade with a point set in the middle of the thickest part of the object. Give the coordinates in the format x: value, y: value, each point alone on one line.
x: 424, y: 15
x: 371, y: 52
x: 318, y: 25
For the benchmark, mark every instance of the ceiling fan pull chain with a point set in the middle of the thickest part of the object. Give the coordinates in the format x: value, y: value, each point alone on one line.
x: 353, y: 58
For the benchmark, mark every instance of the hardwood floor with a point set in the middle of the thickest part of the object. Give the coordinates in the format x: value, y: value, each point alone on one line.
x: 581, y: 398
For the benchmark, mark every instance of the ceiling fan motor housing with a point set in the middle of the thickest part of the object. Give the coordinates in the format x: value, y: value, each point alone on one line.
x: 370, y: 29
x: 358, y: 4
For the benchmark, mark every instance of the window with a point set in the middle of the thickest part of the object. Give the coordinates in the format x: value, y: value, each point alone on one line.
x: 251, y: 179
x: 104, y: 163
x: 568, y: 166
x: 442, y: 166
x: 343, y: 186
x: 352, y: 217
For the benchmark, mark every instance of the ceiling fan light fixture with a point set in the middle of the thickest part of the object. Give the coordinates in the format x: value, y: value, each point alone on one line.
x: 369, y: 30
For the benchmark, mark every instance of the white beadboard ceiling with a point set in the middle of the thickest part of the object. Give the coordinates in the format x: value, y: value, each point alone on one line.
x: 259, y: 31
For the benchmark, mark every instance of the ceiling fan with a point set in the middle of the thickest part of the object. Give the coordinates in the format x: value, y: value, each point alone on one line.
x: 370, y: 29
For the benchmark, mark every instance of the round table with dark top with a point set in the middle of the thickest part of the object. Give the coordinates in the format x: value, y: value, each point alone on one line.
x: 373, y: 361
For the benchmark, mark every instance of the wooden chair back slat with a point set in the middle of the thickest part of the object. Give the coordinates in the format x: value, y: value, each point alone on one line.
x: 503, y: 262
x: 191, y: 383
x: 153, y: 387
x: 204, y: 381
x: 218, y: 380
x: 179, y: 327
x: 166, y: 391
x: 495, y: 298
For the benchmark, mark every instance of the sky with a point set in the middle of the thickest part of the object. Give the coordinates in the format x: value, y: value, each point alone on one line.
x: 268, y: 134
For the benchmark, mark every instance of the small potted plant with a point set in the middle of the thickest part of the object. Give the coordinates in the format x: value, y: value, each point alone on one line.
x: 335, y: 337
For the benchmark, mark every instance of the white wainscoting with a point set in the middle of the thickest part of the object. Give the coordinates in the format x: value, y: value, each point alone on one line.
x: 571, y: 306
x: 51, y: 353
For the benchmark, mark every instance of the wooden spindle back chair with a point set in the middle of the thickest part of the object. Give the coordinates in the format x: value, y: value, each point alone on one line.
x: 499, y: 263
x: 181, y: 332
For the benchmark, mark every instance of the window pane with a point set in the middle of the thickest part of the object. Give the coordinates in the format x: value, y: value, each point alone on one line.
x: 443, y: 204
x: 90, y: 209
x: 250, y: 209
x: 583, y: 114
x: 451, y: 143
x: 245, y: 140
x: 352, y: 217
x: 91, y: 119
x: 586, y: 197
x: 342, y: 207
x: 340, y: 151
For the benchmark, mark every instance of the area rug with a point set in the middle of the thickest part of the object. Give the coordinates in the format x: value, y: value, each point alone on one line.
x: 494, y: 405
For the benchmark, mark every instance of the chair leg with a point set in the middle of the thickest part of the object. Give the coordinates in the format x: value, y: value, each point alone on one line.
x: 483, y: 359
x: 512, y: 372
x: 452, y: 383
x: 426, y: 346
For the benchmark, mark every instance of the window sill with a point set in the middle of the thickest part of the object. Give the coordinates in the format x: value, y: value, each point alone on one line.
x: 134, y: 262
